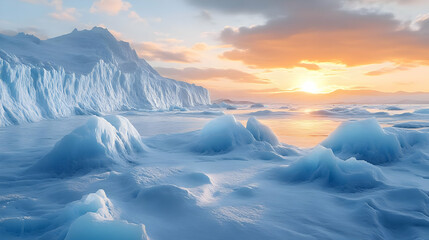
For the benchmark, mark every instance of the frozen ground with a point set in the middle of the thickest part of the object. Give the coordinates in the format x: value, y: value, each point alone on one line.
x: 265, y: 172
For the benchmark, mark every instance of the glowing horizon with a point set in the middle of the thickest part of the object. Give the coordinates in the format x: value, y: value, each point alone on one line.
x: 257, y: 49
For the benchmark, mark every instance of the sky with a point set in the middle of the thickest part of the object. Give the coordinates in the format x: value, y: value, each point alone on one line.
x: 243, y: 49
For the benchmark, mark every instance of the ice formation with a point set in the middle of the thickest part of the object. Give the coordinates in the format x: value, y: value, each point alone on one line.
x: 96, y: 218
x: 347, y: 111
x: 364, y: 140
x: 261, y: 132
x: 222, y: 134
x: 257, y: 105
x: 413, y: 124
x: 82, y: 72
x: 323, y: 166
x: 100, y: 143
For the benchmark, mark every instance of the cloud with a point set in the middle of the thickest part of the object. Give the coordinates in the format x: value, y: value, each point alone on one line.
x: 61, y: 13
x: 136, y: 17
x: 199, y: 74
x: 68, y: 14
x: 155, y: 51
x: 298, y: 32
x: 111, y: 7
x: 205, y: 16
x: 386, y: 70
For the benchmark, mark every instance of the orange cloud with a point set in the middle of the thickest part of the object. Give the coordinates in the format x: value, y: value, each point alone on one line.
x: 387, y: 70
x: 315, y: 31
x: 198, y: 74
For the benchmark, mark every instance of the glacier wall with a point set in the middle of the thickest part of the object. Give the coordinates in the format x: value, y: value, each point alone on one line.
x: 33, y: 92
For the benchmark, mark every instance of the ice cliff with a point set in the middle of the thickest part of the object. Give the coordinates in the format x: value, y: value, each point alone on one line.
x: 82, y: 72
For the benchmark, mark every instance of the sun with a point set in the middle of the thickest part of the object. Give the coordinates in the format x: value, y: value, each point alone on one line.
x: 310, y: 87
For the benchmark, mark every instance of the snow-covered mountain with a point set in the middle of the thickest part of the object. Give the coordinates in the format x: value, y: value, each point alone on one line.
x: 82, y: 72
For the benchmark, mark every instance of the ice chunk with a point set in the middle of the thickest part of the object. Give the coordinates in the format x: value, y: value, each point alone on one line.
x: 393, y: 108
x: 413, y: 124
x: 257, y: 105
x: 346, y: 111
x: 269, y: 113
x: 422, y: 111
x: 222, y: 134
x: 97, y: 219
x: 322, y: 165
x: 99, y: 143
x: 261, y: 132
x: 364, y: 140
x: 223, y: 105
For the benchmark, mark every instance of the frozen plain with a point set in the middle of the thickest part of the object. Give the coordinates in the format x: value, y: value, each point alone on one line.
x: 214, y: 173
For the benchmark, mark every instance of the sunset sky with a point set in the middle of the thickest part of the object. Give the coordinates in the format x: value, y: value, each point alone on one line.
x: 243, y: 48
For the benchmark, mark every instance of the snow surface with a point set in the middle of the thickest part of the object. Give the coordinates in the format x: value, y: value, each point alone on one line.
x: 178, y: 181
x: 84, y: 72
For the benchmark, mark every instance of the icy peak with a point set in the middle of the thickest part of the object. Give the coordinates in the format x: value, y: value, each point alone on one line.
x: 82, y: 72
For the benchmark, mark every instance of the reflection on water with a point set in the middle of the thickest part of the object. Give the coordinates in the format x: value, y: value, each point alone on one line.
x: 300, y: 131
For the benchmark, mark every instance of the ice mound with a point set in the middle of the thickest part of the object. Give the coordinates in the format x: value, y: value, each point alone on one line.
x: 412, y: 124
x: 166, y: 200
x: 257, y: 105
x: 261, y: 132
x: 422, y: 111
x: 222, y: 134
x: 364, y: 140
x: 345, y: 111
x: 410, y: 139
x: 269, y: 113
x: 394, y: 108
x: 99, y: 143
x: 223, y: 105
x: 196, y: 179
x: 322, y: 165
x: 97, y: 219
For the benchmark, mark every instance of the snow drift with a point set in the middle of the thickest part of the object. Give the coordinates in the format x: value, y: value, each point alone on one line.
x: 364, y: 140
x: 99, y: 143
x: 323, y: 166
x: 82, y: 72
x: 97, y: 219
